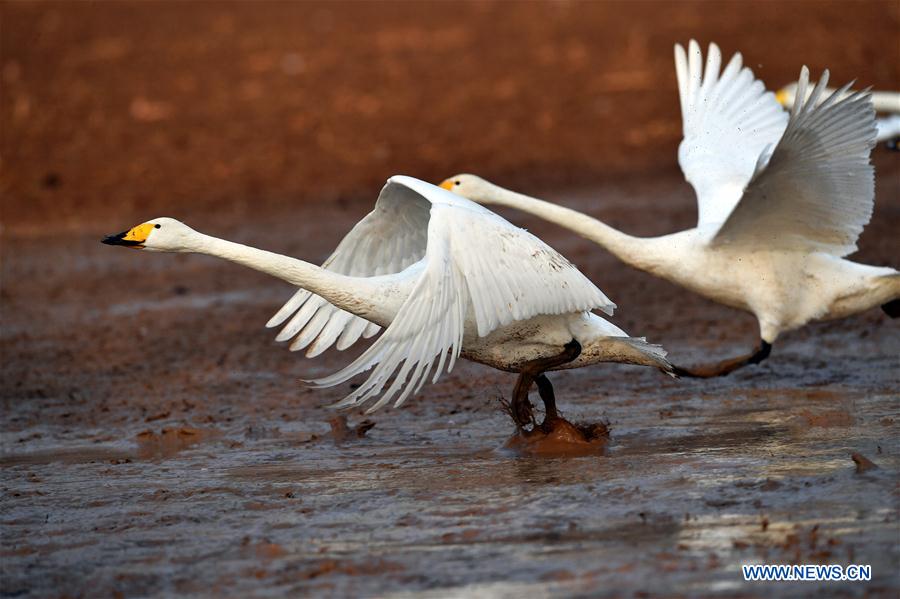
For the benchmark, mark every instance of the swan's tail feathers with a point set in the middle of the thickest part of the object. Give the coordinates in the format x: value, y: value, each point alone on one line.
x: 650, y: 354
x: 892, y: 308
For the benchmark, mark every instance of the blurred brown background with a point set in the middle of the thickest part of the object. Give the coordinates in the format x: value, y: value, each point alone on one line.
x: 119, y: 111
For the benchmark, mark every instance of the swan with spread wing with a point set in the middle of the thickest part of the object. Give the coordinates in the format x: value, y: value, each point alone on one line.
x: 782, y: 200
x: 445, y: 278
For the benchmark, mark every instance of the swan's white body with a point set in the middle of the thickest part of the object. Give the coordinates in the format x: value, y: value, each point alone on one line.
x: 781, y: 201
x: 784, y: 289
x: 444, y: 276
x: 885, y: 102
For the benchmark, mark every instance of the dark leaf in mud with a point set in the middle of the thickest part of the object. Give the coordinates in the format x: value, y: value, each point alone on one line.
x: 363, y: 427
x: 267, y: 551
x: 341, y: 431
x: 863, y: 464
x: 170, y: 441
x: 160, y: 416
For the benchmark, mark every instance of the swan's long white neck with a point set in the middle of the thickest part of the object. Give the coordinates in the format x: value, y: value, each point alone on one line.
x: 634, y: 251
x: 371, y: 298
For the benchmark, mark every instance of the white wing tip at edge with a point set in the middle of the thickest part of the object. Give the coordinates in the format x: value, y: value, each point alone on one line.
x: 608, y: 308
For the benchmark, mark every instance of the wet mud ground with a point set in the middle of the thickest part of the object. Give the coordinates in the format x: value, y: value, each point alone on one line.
x: 155, y: 440
x: 159, y: 442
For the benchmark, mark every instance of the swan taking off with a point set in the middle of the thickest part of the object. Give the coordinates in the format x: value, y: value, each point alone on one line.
x: 781, y: 201
x: 445, y: 277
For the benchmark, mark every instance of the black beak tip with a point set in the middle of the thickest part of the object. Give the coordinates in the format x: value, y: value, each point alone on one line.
x: 119, y: 240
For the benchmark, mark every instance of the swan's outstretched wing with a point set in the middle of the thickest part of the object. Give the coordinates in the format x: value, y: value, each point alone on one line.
x: 475, y: 263
x: 387, y: 240
x: 729, y: 121
x: 818, y: 189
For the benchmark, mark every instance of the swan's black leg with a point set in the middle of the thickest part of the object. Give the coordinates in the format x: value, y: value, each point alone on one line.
x: 727, y: 366
x: 762, y: 352
x: 520, y: 406
x: 548, y: 397
x: 892, y: 308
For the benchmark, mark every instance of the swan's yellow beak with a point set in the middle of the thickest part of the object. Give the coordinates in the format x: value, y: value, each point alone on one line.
x: 782, y: 97
x: 134, y: 237
x: 447, y: 184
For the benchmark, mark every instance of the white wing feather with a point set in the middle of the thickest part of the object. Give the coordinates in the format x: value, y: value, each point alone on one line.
x: 729, y: 122
x: 817, y: 191
x: 477, y: 264
x: 387, y: 240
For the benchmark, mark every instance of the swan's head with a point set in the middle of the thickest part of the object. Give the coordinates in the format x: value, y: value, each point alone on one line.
x: 160, y: 234
x: 468, y: 186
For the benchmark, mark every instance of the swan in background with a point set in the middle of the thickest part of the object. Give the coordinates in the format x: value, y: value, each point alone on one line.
x: 781, y: 202
x: 885, y: 102
x: 445, y: 277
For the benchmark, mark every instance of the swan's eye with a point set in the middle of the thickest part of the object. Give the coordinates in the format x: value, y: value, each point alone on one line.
x: 157, y: 225
x: 456, y: 182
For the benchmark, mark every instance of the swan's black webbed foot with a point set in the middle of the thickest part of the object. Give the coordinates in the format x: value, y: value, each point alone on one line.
x: 892, y: 308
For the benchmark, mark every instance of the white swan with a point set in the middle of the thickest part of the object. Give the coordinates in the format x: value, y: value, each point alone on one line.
x: 446, y: 277
x: 780, y: 204
x: 886, y: 102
